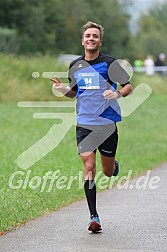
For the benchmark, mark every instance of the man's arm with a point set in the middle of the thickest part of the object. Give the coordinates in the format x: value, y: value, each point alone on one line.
x: 124, y: 91
x: 67, y: 91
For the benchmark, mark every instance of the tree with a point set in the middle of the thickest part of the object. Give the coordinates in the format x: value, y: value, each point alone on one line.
x: 151, y: 37
x: 54, y: 26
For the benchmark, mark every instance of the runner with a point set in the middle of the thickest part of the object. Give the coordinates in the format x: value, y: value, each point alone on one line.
x: 91, y: 82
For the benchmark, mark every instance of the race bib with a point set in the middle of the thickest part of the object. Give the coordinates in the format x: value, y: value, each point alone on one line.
x: 88, y: 80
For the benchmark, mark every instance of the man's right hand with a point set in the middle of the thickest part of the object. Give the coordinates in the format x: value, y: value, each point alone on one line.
x: 67, y: 91
x: 59, y: 86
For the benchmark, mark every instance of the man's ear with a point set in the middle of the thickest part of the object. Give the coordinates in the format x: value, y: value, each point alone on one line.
x: 82, y: 42
x: 101, y: 43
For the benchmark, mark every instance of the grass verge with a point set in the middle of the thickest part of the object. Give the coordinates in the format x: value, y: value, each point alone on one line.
x: 142, y: 146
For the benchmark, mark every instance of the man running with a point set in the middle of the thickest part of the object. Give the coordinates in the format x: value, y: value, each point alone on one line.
x: 91, y: 82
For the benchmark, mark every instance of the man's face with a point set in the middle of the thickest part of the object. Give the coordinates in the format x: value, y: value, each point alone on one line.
x: 91, y: 39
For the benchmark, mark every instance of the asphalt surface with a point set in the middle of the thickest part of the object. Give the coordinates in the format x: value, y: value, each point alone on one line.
x: 133, y: 220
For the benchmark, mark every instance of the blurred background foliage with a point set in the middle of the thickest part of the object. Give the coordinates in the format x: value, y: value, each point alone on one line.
x: 54, y: 27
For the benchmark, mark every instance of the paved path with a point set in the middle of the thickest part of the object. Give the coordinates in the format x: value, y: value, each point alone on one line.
x: 133, y: 220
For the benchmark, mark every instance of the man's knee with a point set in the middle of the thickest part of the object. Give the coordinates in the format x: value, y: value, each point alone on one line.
x: 90, y: 168
x: 89, y: 171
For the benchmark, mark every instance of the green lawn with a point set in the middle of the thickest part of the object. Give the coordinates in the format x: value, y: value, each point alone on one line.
x: 142, y: 146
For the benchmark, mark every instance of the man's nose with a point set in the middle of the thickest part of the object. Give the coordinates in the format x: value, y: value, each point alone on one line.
x: 91, y: 37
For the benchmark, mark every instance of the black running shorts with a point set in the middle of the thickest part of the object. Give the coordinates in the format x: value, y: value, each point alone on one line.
x: 103, y: 137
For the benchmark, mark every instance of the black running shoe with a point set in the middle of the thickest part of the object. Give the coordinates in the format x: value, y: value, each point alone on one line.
x: 115, y: 173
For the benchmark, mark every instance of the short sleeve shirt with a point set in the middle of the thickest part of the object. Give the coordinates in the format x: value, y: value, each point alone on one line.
x: 90, y: 79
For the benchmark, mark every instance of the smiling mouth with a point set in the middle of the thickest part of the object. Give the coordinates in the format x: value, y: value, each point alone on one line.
x: 91, y: 43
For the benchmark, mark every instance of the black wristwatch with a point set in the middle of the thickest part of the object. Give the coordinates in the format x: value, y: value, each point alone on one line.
x: 119, y: 94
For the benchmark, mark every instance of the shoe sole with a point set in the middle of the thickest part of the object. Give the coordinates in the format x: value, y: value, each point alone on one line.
x: 94, y: 227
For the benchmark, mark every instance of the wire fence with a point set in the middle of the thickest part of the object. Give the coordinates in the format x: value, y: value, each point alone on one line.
x: 158, y: 69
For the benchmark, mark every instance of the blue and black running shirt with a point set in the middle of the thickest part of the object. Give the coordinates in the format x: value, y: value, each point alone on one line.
x: 90, y: 79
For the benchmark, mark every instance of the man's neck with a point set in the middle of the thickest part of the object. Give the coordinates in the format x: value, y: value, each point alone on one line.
x: 90, y: 55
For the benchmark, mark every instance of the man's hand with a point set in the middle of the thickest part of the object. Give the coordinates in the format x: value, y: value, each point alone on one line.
x: 67, y: 91
x: 109, y: 94
x: 58, y: 85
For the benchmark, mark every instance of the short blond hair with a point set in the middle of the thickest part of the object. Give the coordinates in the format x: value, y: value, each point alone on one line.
x: 90, y: 24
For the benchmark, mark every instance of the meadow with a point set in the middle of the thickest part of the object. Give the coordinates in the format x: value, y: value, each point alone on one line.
x: 142, y: 141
